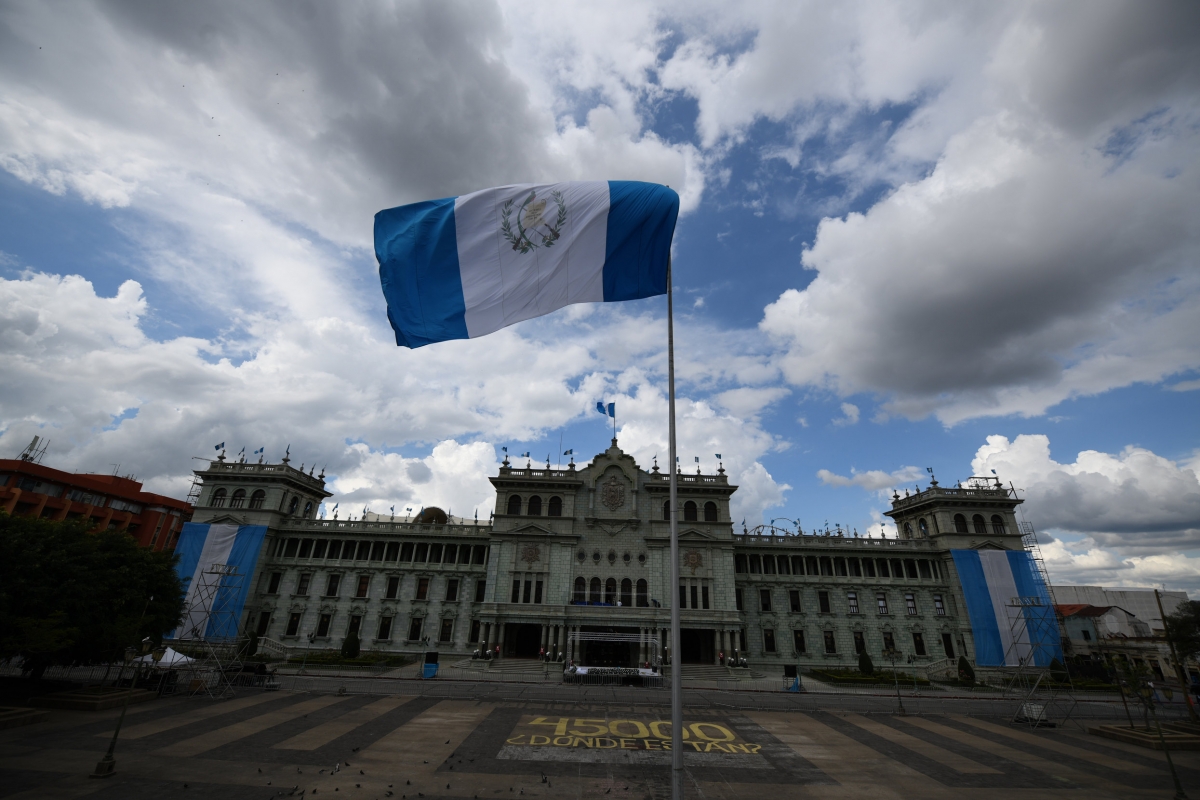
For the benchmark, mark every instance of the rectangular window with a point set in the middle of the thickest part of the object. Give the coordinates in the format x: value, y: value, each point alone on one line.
x: 435, y: 554
x: 414, y: 629
x: 480, y: 588
x: 919, y: 643
x: 695, y: 598
x: 855, y: 568
x: 320, y: 547
x: 704, y: 596
x: 923, y: 569
x: 797, y: 565
x: 323, y: 624
x: 948, y: 645
x: 475, y: 631
x: 331, y: 585
x: 860, y: 643
x: 355, y: 624
x: 406, y: 551
x: 516, y: 592
x: 393, y: 586
x: 764, y: 599
x: 451, y: 554
x: 682, y: 596
x: 839, y: 567
x: 479, y: 554
x: 377, y: 551
x: 823, y: 602
x: 869, y: 567
x: 537, y: 592
x: 737, y: 599
x: 364, y: 583
x: 293, y: 626
x: 798, y: 641
x: 881, y: 602
x: 306, y: 548
x: 830, y: 644
x: 889, y: 642
x: 264, y: 620
x: 335, y: 550
x: 852, y: 601
x: 794, y: 599
x: 273, y: 585
x: 883, y: 568
x: 290, y: 550
x: 447, y: 632
x: 302, y: 584
x: 422, y: 589
x: 385, y: 628
x: 421, y: 553
x: 939, y: 607
x: 364, y: 551
x: 451, y: 591
x: 768, y: 565
x: 910, y: 605
x: 755, y: 565
x: 739, y: 563
x: 1087, y: 636
x: 528, y: 591
x: 464, y: 554
x: 393, y: 551
x: 769, y: 640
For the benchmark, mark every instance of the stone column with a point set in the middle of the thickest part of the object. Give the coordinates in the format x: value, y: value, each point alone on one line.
x: 546, y: 638
x: 487, y: 635
x: 500, y: 636
x: 716, y: 647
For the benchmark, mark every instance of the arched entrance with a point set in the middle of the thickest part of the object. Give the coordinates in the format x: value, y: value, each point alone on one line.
x: 522, y: 640
x: 696, y: 646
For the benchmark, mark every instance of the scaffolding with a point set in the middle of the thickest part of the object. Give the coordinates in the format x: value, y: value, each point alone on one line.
x: 1033, y: 647
x: 209, y: 632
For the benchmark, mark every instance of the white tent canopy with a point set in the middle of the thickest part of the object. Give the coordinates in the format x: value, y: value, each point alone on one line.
x: 172, y: 658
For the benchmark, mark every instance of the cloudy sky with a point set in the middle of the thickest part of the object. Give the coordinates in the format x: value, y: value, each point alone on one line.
x: 947, y: 235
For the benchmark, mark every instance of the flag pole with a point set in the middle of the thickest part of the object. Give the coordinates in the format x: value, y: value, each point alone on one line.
x: 676, y: 682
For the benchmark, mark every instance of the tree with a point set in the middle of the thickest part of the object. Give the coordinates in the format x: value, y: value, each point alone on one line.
x: 966, y: 673
x: 1183, y: 629
x: 350, y: 646
x: 864, y: 664
x: 68, y: 596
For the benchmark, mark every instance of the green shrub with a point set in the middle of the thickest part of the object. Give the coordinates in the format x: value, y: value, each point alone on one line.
x: 864, y: 664
x: 966, y: 674
x: 350, y: 646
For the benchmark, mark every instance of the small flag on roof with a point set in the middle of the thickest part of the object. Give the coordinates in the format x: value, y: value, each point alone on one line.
x: 463, y: 267
x: 219, y: 446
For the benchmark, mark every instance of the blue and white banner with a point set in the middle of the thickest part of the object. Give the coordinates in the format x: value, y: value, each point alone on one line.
x: 467, y: 266
x: 994, y: 582
x: 212, y: 606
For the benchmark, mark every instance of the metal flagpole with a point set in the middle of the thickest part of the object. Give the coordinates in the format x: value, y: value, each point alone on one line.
x: 676, y: 682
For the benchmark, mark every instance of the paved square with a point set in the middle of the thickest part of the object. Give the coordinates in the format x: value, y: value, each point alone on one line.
x: 419, y: 748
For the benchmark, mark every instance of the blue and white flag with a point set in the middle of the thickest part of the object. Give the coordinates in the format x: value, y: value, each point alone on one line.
x: 611, y: 410
x: 1012, y: 615
x: 214, y: 603
x: 570, y: 452
x: 218, y: 446
x: 467, y: 266
x: 260, y: 450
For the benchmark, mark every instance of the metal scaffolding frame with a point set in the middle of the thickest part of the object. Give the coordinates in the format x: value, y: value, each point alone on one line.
x: 212, y: 638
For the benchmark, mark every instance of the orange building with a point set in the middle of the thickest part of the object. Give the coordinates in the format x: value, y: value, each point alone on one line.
x: 28, y: 489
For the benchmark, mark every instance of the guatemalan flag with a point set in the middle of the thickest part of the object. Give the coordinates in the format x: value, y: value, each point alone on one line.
x: 463, y: 267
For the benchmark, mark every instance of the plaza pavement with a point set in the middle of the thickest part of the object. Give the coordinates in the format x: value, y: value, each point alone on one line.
x: 566, y: 742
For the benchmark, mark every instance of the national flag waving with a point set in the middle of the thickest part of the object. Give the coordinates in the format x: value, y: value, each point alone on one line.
x: 611, y: 410
x: 718, y: 455
x: 219, y: 446
x: 260, y: 450
x: 463, y: 267
x: 570, y: 452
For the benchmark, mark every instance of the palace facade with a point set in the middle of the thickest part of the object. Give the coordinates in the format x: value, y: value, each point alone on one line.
x: 586, y: 550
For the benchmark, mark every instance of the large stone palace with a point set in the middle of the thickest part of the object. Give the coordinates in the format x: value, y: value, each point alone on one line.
x: 586, y: 550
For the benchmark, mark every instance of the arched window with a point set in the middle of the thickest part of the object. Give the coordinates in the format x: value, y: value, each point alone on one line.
x: 907, y: 531
x: 580, y: 590
x: 997, y: 524
x: 555, y: 507
x: 921, y: 526
x: 292, y: 506
x: 610, y: 591
x: 594, y: 591
x: 977, y: 522
x: 256, y: 499
x: 514, y: 504
x: 643, y: 597
x: 218, y: 498
x: 535, y: 506
x: 960, y: 523
x: 308, y: 509
x: 626, y: 592
x: 689, y: 511
x: 710, y: 511
x: 239, y: 499
x: 667, y: 510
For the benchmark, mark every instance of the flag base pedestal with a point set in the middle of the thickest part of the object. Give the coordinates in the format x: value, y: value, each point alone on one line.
x: 105, y: 768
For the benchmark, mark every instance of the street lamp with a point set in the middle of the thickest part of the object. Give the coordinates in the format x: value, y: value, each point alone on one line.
x: 106, y: 766
x: 891, y: 654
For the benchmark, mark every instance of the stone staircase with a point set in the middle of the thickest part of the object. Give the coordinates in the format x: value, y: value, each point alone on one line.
x: 511, y: 664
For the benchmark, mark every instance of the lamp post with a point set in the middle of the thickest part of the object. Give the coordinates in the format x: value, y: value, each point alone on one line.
x: 890, y: 654
x: 106, y: 766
